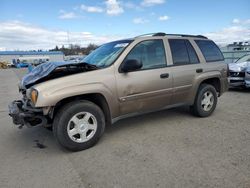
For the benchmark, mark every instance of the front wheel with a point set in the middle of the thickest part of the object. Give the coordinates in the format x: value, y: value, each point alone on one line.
x: 205, y: 101
x: 79, y: 125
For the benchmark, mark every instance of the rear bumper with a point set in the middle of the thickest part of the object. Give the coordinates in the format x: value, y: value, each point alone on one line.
x: 22, y: 116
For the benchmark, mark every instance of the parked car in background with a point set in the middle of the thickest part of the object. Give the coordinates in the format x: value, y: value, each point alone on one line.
x: 76, y: 59
x: 239, y: 72
x: 247, y: 77
x: 23, y: 62
x: 118, y: 80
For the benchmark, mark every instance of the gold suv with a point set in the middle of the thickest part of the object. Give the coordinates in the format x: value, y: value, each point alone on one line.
x: 121, y: 79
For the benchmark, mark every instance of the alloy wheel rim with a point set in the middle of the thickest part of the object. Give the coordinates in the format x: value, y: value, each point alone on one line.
x: 82, y: 127
x: 207, y: 101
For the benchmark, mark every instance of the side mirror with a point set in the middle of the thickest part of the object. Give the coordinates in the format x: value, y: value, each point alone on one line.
x: 131, y: 65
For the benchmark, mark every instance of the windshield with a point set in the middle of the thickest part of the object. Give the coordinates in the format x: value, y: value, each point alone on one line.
x: 244, y: 58
x: 106, y: 54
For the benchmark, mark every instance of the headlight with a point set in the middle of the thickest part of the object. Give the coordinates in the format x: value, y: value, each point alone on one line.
x: 33, y: 95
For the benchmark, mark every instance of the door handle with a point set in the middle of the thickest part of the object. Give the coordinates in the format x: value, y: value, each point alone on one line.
x: 165, y: 75
x: 199, y: 70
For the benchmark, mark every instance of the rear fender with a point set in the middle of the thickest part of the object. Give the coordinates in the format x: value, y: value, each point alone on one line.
x: 199, y: 80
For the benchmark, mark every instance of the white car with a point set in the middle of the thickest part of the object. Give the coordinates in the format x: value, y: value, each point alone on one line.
x: 239, y: 72
x: 247, y: 77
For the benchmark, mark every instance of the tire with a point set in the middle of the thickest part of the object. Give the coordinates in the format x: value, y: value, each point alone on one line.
x: 205, y: 101
x: 78, y: 125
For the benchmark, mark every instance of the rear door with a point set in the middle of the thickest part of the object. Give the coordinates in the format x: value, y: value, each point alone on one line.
x: 186, y: 65
x: 150, y: 87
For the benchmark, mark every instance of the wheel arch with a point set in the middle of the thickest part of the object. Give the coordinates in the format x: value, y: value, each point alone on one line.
x: 212, y: 80
x: 97, y: 98
x: 215, y: 81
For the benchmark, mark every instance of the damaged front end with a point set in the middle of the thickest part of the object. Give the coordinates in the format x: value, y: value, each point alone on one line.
x: 24, y: 111
x: 23, y: 114
x: 53, y: 70
x: 238, y: 74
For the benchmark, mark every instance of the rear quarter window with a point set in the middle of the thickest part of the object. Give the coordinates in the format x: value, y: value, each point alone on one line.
x: 210, y: 50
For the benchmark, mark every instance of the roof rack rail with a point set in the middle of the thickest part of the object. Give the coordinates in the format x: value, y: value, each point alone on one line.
x: 152, y: 34
x: 185, y: 35
x: 159, y: 34
x: 164, y: 34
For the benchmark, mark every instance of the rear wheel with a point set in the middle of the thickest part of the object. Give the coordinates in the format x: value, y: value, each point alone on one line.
x: 79, y: 125
x: 205, y: 101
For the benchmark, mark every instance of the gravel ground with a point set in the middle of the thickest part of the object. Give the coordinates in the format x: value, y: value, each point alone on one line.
x: 170, y: 148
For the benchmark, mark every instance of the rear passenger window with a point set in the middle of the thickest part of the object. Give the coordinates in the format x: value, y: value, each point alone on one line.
x: 182, y: 52
x: 210, y: 50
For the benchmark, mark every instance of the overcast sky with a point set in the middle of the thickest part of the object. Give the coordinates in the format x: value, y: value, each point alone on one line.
x: 30, y: 24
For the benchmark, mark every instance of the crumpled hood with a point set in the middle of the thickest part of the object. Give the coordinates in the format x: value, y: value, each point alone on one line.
x: 44, y: 70
x: 239, y: 67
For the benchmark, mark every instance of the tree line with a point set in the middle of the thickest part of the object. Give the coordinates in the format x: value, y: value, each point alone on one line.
x: 75, y: 49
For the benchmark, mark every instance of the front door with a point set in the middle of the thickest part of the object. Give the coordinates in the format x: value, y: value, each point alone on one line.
x: 150, y: 87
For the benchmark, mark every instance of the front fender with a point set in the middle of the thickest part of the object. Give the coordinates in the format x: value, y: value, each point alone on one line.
x: 100, y: 81
x: 52, y: 98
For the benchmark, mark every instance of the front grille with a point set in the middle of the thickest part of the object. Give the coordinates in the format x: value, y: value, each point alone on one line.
x: 237, y: 74
x: 235, y: 81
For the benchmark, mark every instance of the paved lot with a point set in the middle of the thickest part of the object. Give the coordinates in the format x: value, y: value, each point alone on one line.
x: 164, y: 149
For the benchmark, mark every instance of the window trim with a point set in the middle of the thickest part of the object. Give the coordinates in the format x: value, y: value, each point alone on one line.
x: 188, y: 41
x: 185, y: 41
x: 210, y: 61
x: 166, y: 62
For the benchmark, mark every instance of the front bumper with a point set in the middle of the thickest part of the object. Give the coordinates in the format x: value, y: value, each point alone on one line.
x: 236, y: 81
x: 22, y: 115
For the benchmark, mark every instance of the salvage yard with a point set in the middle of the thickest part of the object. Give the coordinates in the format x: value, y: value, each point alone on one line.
x: 170, y: 148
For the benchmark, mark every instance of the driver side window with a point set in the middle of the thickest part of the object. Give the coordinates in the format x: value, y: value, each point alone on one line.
x: 151, y: 53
